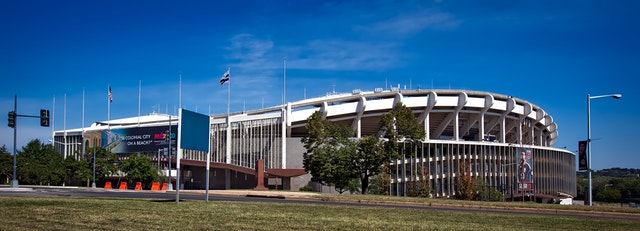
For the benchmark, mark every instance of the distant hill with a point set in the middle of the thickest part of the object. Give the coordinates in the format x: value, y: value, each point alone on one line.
x: 613, y: 172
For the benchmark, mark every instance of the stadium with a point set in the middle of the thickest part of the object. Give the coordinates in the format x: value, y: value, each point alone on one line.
x: 500, y: 140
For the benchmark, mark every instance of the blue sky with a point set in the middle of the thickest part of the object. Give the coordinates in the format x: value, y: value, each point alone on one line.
x: 551, y: 53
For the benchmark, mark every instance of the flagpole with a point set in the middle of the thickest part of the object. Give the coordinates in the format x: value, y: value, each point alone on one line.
x: 228, y: 118
x: 180, y: 92
x: 64, y: 124
x: 82, y: 135
x: 83, y: 111
x: 53, y: 122
x: 228, y: 92
x: 139, y: 95
x: 284, y: 84
x: 109, y: 109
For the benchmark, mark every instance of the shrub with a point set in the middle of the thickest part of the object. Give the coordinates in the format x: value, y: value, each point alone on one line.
x: 306, y: 188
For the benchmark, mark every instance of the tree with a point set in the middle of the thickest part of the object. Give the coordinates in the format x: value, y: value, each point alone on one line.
x: 329, y: 145
x: 419, y: 187
x: 328, y: 152
x: 609, y: 195
x: 369, y: 160
x: 40, y: 164
x: 6, y: 164
x: 465, y: 183
x: 139, y: 169
x: 105, y: 163
x: 354, y: 186
x: 78, y: 170
x: 381, y: 182
x: 484, y: 192
x: 400, y: 124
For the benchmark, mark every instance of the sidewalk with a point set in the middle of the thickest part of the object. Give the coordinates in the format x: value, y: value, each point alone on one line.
x: 254, y: 193
x: 229, y: 192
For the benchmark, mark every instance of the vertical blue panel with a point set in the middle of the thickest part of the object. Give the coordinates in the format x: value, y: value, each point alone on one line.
x: 194, y: 131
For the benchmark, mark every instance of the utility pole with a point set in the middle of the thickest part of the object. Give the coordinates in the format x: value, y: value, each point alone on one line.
x: 12, y: 123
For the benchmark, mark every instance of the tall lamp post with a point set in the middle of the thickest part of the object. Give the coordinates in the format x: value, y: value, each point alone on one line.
x: 589, y: 97
x: 95, y: 143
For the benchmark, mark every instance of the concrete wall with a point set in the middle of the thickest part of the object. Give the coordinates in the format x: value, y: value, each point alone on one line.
x: 217, y: 179
x: 295, y: 150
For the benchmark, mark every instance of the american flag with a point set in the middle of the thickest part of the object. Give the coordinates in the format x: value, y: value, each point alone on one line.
x: 110, y: 95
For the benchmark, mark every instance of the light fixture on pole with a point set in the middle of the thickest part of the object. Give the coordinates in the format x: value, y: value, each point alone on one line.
x: 589, y: 97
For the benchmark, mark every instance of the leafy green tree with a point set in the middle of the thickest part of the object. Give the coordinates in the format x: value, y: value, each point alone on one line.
x: 609, y: 195
x: 6, y: 164
x: 331, y: 165
x: 368, y: 160
x: 78, y: 170
x: 381, y: 182
x: 106, y: 164
x: 483, y: 192
x: 328, y: 152
x: 400, y: 124
x: 354, y: 186
x: 40, y: 164
x: 139, y: 169
x: 625, y: 181
x: 328, y: 145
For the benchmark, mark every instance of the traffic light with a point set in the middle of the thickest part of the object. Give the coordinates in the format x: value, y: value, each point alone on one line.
x: 44, y: 118
x: 12, y: 119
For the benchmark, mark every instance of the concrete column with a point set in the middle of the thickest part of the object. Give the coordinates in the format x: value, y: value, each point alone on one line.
x: 260, y: 175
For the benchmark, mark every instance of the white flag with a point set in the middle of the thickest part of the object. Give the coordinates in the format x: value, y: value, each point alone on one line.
x: 225, y: 77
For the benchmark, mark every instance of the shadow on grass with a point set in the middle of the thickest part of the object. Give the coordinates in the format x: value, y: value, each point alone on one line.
x: 166, y: 200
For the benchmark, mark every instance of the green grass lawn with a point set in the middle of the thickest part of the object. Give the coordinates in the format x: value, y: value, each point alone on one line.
x: 54, y: 213
x: 614, y: 207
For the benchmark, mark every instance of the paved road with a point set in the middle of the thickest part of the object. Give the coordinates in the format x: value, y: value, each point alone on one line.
x: 277, y: 197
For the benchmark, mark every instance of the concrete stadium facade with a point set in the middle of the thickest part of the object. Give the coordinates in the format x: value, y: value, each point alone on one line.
x: 482, y: 132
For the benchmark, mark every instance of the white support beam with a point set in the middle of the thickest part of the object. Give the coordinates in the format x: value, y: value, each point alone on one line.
x: 432, y: 99
x: 357, y: 122
x: 488, y: 103
x: 462, y: 101
x: 397, y: 99
x: 511, y: 104
x: 453, y: 116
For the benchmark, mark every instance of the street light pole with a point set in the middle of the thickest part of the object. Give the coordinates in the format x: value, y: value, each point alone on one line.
x: 95, y: 142
x: 589, y: 97
x: 169, y: 185
x: 14, y: 182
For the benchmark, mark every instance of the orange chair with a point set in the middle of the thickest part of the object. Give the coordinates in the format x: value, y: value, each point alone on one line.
x: 107, y: 185
x: 123, y: 186
x: 138, y: 186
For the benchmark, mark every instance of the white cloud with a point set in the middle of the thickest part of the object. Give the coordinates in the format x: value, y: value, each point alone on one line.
x: 411, y: 23
x: 336, y: 54
x: 260, y: 55
x: 247, y: 47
